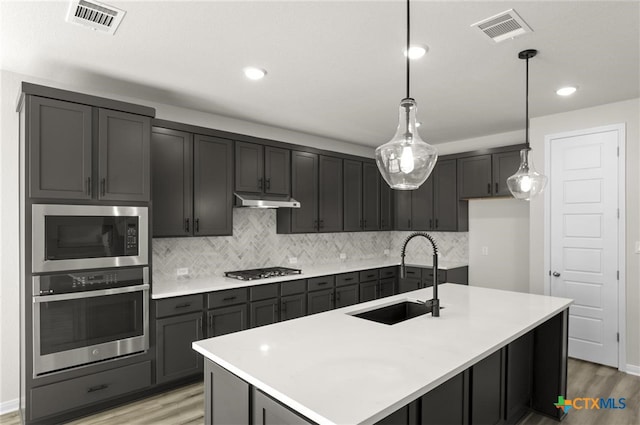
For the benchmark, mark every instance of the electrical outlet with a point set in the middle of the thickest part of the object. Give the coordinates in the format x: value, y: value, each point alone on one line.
x: 343, y: 256
x: 386, y: 252
x: 293, y: 260
x: 182, y: 271
x: 637, y: 247
x: 485, y: 250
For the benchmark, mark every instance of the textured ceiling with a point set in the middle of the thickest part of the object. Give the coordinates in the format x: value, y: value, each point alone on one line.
x: 336, y: 68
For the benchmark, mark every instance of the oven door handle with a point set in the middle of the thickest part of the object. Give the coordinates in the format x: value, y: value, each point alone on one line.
x: 89, y: 294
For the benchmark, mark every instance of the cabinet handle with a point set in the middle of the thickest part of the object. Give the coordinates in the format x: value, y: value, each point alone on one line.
x: 103, y: 184
x: 430, y: 223
x: 283, y: 307
x: 197, y: 225
x: 210, y: 322
x: 496, y: 187
x: 229, y: 298
x: 322, y: 283
x: 98, y: 388
x: 364, y: 226
x: 320, y: 224
x: 316, y: 224
x: 185, y: 305
x: 489, y: 188
x: 199, y: 325
x: 260, y: 184
x: 348, y: 279
x: 89, y: 186
x: 409, y: 221
x: 186, y: 225
x: 269, y: 183
x: 337, y: 296
x: 436, y: 223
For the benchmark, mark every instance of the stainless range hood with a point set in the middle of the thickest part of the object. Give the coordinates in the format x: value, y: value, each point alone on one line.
x: 250, y: 200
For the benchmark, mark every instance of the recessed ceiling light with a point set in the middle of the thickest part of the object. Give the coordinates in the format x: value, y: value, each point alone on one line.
x: 254, y: 73
x: 417, y: 51
x: 566, y: 91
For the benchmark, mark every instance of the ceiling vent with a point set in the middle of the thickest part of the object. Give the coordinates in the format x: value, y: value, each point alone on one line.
x: 95, y: 15
x: 503, y: 26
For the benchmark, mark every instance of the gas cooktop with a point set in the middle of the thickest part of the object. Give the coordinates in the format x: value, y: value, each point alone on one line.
x: 262, y: 273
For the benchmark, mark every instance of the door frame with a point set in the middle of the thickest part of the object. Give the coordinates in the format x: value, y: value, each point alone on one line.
x: 621, y: 130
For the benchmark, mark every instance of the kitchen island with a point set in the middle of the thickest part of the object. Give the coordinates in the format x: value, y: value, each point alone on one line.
x: 491, y: 354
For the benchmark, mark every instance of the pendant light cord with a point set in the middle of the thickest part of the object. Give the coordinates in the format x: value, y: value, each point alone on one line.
x: 408, y: 44
x: 527, y: 105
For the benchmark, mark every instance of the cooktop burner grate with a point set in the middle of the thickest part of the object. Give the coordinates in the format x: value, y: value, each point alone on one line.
x: 262, y: 273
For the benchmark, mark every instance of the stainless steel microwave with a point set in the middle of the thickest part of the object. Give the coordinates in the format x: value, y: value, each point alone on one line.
x: 76, y: 237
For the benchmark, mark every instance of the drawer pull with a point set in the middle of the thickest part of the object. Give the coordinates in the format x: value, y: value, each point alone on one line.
x: 229, y: 298
x: 322, y: 283
x: 347, y: 279
x: 98, y: 388
x: 185, y: 305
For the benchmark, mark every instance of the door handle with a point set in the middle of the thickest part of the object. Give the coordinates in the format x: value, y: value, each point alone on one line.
x: 103, y: 184
x: 186, y: 225
x: 489, y: 188
x: 556, y: 274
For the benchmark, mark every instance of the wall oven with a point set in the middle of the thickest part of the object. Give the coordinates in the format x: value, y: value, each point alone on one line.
x: 76, y: 237
x: 90, y: 316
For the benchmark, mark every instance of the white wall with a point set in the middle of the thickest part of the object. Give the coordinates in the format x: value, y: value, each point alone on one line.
x: 627, y: 112
x: 502, y: 227
x: 9, y: 196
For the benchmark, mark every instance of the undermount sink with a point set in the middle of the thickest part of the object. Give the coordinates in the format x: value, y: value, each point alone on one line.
x: 395, y: 313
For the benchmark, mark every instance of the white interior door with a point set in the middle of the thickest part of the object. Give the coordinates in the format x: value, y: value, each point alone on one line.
x: 584, y: 240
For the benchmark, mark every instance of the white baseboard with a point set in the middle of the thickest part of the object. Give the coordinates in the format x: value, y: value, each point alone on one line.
x: 633, y: 369
x: 9, y: 406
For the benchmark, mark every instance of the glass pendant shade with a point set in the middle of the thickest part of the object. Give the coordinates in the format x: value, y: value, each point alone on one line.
x: 526, y: 183
x: 406, y: 161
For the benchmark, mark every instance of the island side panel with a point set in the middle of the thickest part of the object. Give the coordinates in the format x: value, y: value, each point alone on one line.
x: 550, y: 356
x: 226, y: 397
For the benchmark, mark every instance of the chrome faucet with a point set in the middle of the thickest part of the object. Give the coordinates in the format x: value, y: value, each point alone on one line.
x: 432, y: 304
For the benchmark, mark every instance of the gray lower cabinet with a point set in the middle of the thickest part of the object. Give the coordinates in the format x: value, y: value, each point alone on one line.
x: 453, y: 394
x: 487, y: 389
x: 263, y: 312
x: 368, y: 291
x: 293, y: 306
x: 175, y: 358
x: 418, y: 278
x: 319, y: 301
x: 387, y: 287
x: 267, y: 411
x: 74, y: 393
x: 225, y: 320
x: 346, y: 295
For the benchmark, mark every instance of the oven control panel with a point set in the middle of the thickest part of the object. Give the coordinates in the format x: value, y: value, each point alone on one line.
x: 64, y: 283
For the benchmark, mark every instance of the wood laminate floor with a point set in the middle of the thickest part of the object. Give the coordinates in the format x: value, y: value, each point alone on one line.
x: 185, y: 405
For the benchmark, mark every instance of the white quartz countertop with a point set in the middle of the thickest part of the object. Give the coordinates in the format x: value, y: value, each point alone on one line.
x: 335, y: 368
x: 178, y: 287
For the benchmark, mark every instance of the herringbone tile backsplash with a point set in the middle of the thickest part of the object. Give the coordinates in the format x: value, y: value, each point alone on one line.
x: 255, y: 244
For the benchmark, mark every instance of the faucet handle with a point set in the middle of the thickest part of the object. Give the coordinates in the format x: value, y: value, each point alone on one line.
x: 403, y: 271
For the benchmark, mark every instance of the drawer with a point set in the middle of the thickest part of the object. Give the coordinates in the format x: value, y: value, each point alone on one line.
x: 413, y: 272
x: 73, y: 393
x: 347, y: 278
x: 228, y: 297
x: 179, y: 305
x: 369, y: 275
x: 388, y: 272
x: 322, y: 282
x: 293, y: 287
x: 263, y: 292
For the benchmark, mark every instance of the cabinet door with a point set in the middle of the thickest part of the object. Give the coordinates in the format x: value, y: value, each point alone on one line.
x: 370, y: 196
x: 409, y: 284
x: 445, y: 197
x: 124, y: 152
x: 277, y: 171
x: 249, y: 167
x: 212, y: 186
x: 175, y: 358
x: 387, y: 287
x: 267, y: 411
x: 347, y: 295
x: 402, y: 210
x: 293, y: 306
x: 474, y: 177
x: 353, y: 220
x: 486, y: 390
x: 221, y: 321
x: 264, y: 312
x: 518, y: 380
x: 304, y: 188
x: 368, y: 291
x: 330, y: 194
x: 386, y: 206
x: 172, y: 178
x: 59, y: 149
x: 505, y: 165
x: 446, y: 404
x: 319, y: 301
x: 422, y: 206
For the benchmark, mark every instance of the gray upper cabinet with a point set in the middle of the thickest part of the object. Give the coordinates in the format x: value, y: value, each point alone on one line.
x: 124, y: 164
x: 60, y: 149
x: 304, y: 185
x: 422, y: 206
x: 402, y: 209
x: 353, y: 219
x: 446, y: 206
x: 172, y: 177
x: 262, y: 169
x: 212, y: 186
x: 484, y: 176
x: 330, y: 192
x: 371, y: 201
x: 63, y: 140
x: 386, y: 206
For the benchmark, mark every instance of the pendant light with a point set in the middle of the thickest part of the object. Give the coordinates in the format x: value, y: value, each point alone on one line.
x: 406, y: 161
x: 526, y: 183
